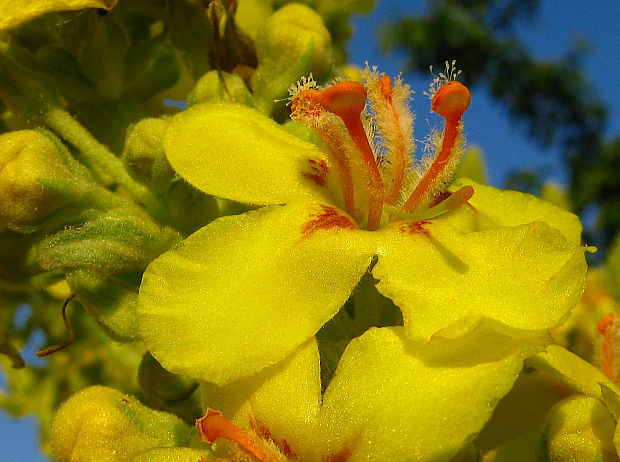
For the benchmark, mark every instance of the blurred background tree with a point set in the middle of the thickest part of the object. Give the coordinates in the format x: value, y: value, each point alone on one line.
x: 553, y: 98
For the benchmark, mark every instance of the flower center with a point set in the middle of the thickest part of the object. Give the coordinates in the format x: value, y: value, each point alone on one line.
x: 384, y: 178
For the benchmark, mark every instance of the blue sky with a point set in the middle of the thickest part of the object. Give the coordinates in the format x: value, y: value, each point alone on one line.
x: 505, y: 143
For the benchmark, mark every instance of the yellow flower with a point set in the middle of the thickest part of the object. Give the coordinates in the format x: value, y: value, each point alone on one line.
x: 243, y: 292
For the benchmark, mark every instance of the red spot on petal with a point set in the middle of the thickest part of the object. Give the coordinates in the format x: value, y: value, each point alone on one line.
x: 415, y: 227
x: 262, y: 430
x: 342, y: 455
x: 329, y: 218
x: 319, y: 172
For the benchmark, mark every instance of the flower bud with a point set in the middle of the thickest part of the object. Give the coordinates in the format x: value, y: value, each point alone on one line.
x: 210, y: 88
x: 579, y: 428
x: 293, y: 43
x: 116, y: 242
x: 100, y: 423
x: 145, y: 156
x: 27, y: 159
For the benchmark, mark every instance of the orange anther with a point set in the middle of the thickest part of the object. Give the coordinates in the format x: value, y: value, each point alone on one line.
x: 451, y: 100
x: 345, y: 99
x: 306, y: 95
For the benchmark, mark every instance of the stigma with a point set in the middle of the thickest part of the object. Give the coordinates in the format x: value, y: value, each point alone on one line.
x: 380, y: 179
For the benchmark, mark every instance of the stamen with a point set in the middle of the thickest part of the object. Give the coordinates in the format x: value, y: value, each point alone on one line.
x: 399, y: 147
x: 347, y: 100
x: 213, y: 426
x: 306, y: 107
x: 450, y: 102
x: 456, y: 199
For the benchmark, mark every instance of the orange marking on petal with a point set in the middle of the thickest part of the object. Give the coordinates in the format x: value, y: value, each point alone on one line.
x: 450, y: 102
x: 213, y: 426
x: 415, y: 227
x: 319, y: 172
x: 263, y: 431
x: 329, y: 218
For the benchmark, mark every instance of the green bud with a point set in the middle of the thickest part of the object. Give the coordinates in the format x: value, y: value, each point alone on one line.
x: 209, y: 88
x: 190, y: 208
x: 251, y: 16
x: 144, y: 153
x: 99, y: 43
x: 103, y: 424
x: 579, y: 428
x: 119, y: 241
x: 293, y: 43
x: 161, y: 385
x: 27, y: 159
x: 109, y: 300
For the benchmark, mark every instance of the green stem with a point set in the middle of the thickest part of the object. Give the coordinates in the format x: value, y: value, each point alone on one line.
x: 96, y: 153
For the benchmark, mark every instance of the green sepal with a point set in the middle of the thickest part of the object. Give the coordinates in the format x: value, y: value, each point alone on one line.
x: 66, y: 72
x: 190, y: 208
x: 153, y: 66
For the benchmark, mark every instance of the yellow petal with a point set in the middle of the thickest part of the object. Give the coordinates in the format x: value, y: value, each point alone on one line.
x: 525, y: 279
x: 574, y: 371
x: 244, y: 291
x: 513, y: 208
x: 281, y: 401
x: 392, y: 399
x: 14, y: 12
x: 235, y: 152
